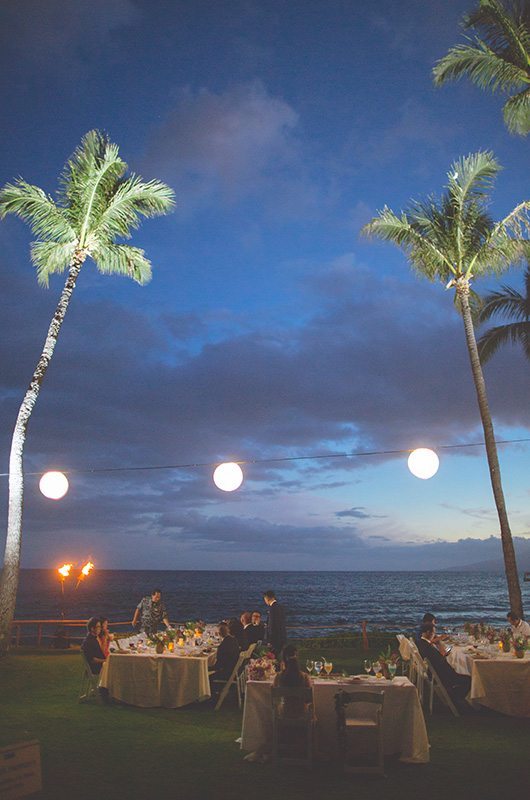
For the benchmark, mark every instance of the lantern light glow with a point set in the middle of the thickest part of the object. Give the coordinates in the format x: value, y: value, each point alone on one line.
x: 228, y: 476
x: 64, y: 571
x: 423, y: 463
x: 53, y: 485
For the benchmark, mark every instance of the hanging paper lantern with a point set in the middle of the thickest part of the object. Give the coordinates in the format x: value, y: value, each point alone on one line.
x: 228, y: 477
x: 423, y: 463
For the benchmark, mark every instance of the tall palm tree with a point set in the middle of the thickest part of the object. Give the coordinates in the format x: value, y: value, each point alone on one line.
x: 508, y: 304
x: 453, y: 240
x: 498, y: 59
x: 97, y: 205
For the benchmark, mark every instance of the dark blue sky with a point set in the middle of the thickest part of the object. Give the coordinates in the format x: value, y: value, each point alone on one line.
x: 269, y: 328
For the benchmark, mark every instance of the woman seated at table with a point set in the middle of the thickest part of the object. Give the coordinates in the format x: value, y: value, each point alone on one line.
x: 105, y: 637
x: 227, y: 654
x: 292, y: 676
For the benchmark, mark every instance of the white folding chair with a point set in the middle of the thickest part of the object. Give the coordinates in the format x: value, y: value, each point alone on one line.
x: 89, y: 683
x: 233, y: 679
x: 441, y: 691
x: 362, y: 724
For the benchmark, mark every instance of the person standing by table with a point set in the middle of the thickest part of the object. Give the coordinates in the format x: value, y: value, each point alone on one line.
x: 151, y: 612
x: 276, y: 629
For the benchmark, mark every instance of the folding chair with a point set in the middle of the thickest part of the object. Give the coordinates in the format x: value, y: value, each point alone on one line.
x: 292, y: 733
x: 89, y: 683
x: 420, y: 676
x: 233, y: 679
x: 363, y: 724
x: 441, y: 691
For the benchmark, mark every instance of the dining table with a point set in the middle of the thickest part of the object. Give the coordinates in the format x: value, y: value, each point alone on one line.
x: 404, y: 730
x: 499, y: 681
x: 141, y: 677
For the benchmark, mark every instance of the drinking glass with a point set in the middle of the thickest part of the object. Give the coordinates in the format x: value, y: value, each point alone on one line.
x: 328, y: 666
x: 309, y: 665
x: 392, y: 669
x: 377, y: 669
x: 318, y: 667
x: 367, y: 664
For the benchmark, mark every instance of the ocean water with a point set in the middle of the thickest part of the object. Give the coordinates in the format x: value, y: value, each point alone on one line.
x: 313, y: 600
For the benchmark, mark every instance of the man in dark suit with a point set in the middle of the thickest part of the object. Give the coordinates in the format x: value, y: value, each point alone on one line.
x: 258, y: 625
x: 250, y: 631
x: 227, y: 654
x: 276, y: 630
x: 456, y: 685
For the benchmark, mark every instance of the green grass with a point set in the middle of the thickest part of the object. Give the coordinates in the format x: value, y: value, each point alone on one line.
x: 91, y: 751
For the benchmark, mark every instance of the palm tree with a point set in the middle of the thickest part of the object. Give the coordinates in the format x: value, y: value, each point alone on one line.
x: 96, y: 205
x: 508, y: 304
x: 453, y: 240
x: 498, y: 59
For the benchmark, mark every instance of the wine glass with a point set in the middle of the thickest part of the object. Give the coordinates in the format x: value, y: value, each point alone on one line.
x: 309, y: 665
x: 377, y: 669
x: 318, y: 667
x: 328, y: 666
x: 392, y: 667
x: 367, y: 664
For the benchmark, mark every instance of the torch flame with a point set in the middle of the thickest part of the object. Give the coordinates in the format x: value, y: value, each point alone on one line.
x: 87, y: 568
x: 64, y: 571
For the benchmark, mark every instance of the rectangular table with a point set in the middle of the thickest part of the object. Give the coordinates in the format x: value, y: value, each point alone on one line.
x: 404, y: 730
x: 500, y: 682
x: 148, y: 680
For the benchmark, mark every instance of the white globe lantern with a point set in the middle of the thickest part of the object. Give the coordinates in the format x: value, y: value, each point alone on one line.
x: 53, y: 485
x: 423, y: 463
x: 228, y: 476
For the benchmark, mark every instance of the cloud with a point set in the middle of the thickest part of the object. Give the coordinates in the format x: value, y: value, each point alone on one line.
x: 359, y: 513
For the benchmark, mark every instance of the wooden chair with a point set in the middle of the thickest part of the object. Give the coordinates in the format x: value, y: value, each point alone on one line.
x: 233, y: 679
x: 292, y: 735
x: 370, y: 724
x: 89, y: 683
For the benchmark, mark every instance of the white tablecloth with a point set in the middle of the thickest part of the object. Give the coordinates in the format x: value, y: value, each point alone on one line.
x: 500, y: 682
x: 149, y: 680
x: 403, y: 722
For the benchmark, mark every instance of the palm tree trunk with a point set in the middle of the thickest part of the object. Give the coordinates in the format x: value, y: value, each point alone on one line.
x: 510, y: 565
x: 10, y: 571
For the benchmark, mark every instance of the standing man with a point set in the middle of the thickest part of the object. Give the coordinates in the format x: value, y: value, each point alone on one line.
x: 151, y: 611
x: 276, y: 630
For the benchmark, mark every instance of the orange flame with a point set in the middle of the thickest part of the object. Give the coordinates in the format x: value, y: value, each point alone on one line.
x: 64, y: 571
x: 87, y: 568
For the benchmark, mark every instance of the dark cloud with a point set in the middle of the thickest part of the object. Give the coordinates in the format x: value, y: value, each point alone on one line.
x: 358, y: 513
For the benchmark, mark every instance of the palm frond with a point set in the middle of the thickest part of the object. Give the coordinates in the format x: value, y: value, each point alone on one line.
x: 33, y: 205
x: 122, y: 259
x: 494, y: 338
x: 133, y: 199
x: 50, y: 258
x: 506, y: 303
x: 481, y: 65
x: 516, y: 112
x: 472, y: 176
x: 502, y: 28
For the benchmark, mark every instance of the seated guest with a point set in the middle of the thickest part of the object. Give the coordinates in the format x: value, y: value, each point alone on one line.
x: 105, y: 637
x: 235, y: 628
x: 430, y: 619
x: 292, y: 676
x: 519, y: 626
x: 258, y: 625
x: 227, y: 654
x: 249, y: 630
x: 457, y: 686
x: 91, y: 646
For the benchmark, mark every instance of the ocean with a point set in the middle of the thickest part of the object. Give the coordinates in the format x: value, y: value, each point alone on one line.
x: 313, y: 600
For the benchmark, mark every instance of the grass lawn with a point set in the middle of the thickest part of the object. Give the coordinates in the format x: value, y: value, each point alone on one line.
x: 92, y: 751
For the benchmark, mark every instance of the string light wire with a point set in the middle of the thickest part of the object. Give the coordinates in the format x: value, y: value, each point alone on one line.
x: 277, y: 460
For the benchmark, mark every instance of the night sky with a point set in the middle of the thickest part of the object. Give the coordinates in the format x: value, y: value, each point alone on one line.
x: 270, y: 328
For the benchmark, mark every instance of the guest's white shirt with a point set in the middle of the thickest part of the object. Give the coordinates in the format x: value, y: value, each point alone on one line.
x: 521, y: 629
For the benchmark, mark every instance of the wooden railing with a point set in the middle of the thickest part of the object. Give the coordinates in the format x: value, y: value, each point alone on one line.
x: 39, y: 625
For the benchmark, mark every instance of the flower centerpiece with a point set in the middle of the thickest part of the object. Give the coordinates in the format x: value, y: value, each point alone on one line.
x: 262, y: 668
x: 519, y: 646
x: 389, y: 661
x: 159, y: 641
